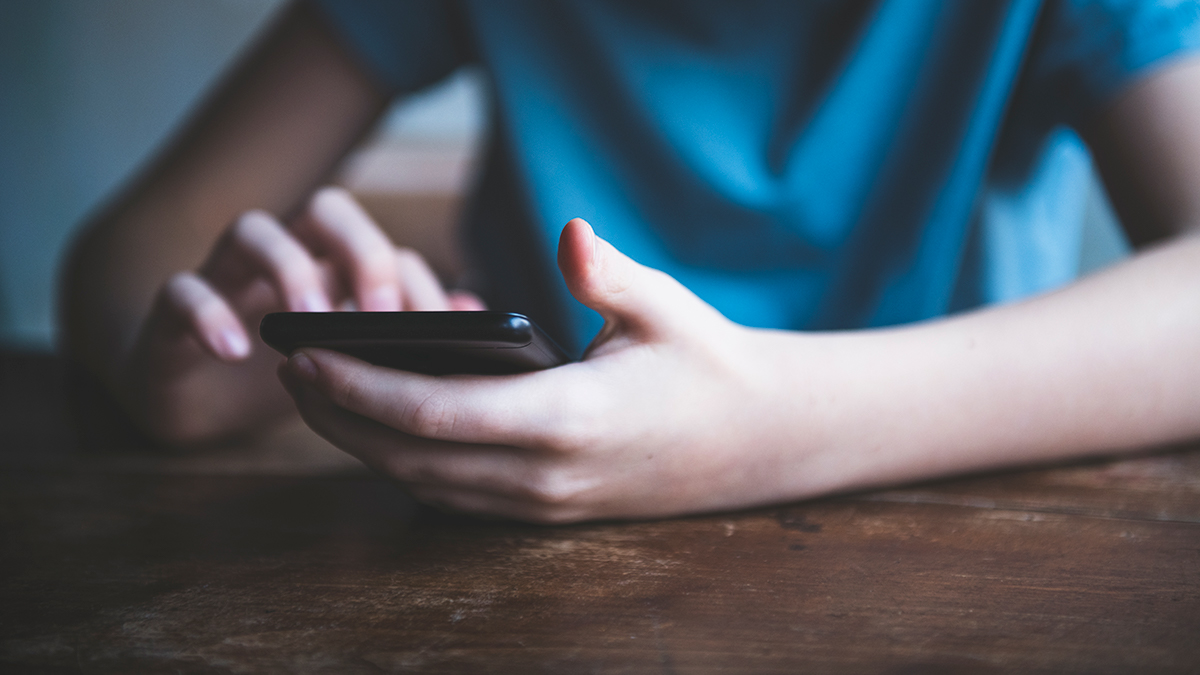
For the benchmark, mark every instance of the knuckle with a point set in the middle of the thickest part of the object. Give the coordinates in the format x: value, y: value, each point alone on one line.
x: 316, y: 214
x: 339, y: 218
x: 250, y: 225
x: 551, y: 487
x: 328, y: 197
x: 433, y: 416
x: 332, y: 210
x: 575, y: 421
x: 185, y: 295
x: 178, y: 290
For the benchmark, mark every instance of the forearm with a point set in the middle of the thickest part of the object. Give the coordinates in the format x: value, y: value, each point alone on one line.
x: 676, y: 410
x: 266, y: 137
x: 1106, y: 364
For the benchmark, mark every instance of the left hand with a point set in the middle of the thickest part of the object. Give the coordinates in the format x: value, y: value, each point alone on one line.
x: 198, y: 370
x: 654, y: 421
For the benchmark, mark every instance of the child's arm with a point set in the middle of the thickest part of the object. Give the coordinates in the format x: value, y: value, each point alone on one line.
x: 180, y: 348
x: 676, y: 410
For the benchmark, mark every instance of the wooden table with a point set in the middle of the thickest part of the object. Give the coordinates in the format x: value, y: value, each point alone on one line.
x: 287, y: 557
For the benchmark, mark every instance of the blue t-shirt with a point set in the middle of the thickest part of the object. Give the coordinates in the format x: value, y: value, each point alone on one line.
x: 798, y: 164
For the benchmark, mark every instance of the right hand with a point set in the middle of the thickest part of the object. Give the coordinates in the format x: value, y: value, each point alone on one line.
x: 198, y: 369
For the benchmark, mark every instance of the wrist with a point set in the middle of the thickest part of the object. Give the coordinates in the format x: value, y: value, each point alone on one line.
x: 851, y: 410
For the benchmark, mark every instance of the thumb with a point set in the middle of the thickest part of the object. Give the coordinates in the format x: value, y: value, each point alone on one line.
x: 612, y: 283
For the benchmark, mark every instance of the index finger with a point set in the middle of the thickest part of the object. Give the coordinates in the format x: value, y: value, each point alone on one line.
x: 530, y: 410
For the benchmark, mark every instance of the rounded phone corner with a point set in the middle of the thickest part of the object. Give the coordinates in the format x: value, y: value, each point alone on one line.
x: 518, y: 327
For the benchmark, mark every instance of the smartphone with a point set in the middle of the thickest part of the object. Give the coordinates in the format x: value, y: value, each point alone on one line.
x: 434, y: 343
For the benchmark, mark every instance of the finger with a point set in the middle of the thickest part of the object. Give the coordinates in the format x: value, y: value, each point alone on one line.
x: 259, y: 245
x: 530, y: 410
x: 190, y: 302
x: 490, y: 469
x: 622, y: 291
x: 335, y: 224
x: 465, y: 301
x: 421, y: 289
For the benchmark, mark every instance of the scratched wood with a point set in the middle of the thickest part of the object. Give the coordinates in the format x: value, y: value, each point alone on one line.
x: 1162, y: 485
x: 119, y: 567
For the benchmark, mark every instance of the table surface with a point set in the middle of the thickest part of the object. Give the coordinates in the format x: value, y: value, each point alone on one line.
x: 285, y: 556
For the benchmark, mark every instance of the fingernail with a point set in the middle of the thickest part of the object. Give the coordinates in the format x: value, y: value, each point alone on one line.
x: 234, y: 344
x: 314, y: 302
x: 382, y: 299
x: 303, y: 367
x: 591, y: 240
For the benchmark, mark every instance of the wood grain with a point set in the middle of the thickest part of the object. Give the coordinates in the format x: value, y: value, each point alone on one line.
x: 124, y: 568
x: 1163, y: 485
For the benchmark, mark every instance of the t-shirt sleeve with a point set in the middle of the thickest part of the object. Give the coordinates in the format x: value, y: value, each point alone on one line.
x: 406, y: 44
x: 1087, y: 51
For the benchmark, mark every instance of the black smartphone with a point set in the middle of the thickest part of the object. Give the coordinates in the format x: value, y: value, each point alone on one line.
x: 434, y: 343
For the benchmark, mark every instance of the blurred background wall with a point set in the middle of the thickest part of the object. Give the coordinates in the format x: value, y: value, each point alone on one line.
x: 89, y: 89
